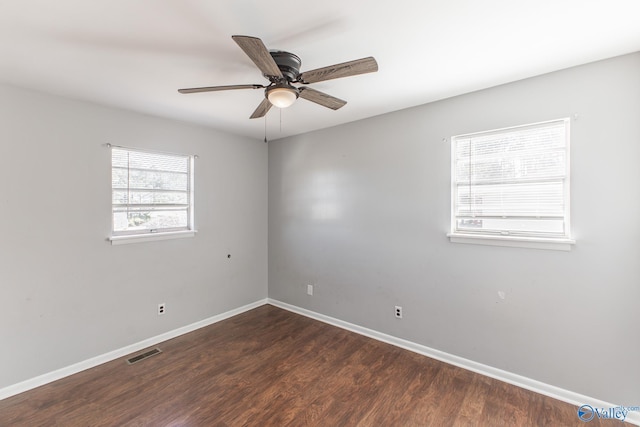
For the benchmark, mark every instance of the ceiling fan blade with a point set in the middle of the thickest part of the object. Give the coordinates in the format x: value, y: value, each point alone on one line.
x: 217, y: 88
x: 258, y: 53
x: 321, y: 98
x: 262, y: 109
x: 345, y: 69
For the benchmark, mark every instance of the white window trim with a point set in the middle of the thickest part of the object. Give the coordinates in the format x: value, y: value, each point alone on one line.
x: 513, y: 241
x: 559, y: 244
x: 149, y: 237
x: 125, y: 239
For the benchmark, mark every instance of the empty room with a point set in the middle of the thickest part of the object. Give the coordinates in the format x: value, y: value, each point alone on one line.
x: 244, y: 213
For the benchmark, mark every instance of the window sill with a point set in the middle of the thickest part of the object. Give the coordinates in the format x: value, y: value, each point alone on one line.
x: 140, y: 238
x: 514, y: 242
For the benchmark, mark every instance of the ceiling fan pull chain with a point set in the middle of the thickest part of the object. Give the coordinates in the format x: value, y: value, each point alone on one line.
x: 265, y: 128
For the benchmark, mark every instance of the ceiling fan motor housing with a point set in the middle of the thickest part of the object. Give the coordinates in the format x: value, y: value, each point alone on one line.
x: 288, y: 63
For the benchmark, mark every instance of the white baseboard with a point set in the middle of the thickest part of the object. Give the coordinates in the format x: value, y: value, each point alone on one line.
x: 573, y: 398
x: 508, y: 377
x: 115, y: 354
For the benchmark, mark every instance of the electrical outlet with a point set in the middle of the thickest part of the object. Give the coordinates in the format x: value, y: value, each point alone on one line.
x: 398, y: 312
x: 161, y: 308
x: 309, y: 289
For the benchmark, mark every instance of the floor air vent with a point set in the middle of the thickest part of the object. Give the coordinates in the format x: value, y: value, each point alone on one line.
x: 144, y: 355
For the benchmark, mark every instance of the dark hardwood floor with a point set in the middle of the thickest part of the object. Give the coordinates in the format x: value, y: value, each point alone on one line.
x: 270, y: 367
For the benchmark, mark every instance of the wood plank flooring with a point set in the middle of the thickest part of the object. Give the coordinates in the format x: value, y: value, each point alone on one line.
x: 270, y: 367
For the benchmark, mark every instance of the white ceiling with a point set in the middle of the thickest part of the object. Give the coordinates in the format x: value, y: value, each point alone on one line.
x: 136, y: 54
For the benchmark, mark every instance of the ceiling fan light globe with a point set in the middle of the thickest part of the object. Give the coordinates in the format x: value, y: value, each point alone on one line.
x: 282, y: 97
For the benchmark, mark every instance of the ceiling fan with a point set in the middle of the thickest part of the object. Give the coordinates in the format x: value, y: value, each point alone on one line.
x: 282, y: 69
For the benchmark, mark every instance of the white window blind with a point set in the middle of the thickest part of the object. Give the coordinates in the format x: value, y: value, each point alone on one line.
x: 151, y: 192
x: 512, y: 182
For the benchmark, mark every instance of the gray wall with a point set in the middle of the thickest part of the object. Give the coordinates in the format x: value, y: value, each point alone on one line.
x: 362, y: 210
x: 67, y: 295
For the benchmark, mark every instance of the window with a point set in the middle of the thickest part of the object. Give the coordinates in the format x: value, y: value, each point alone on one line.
x: 512, y: 185
x: 152, y: 194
